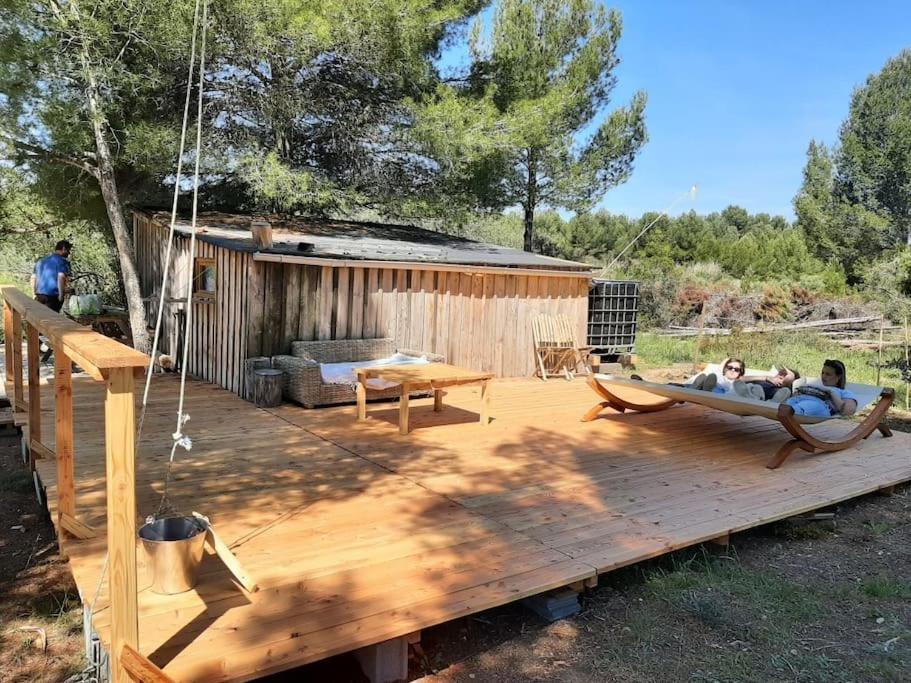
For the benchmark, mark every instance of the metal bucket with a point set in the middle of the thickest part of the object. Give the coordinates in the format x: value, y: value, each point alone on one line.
x: 174, y: 547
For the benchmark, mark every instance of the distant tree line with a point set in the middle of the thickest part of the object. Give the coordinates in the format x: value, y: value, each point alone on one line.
x: 743, y: 246
x: 854, y: 206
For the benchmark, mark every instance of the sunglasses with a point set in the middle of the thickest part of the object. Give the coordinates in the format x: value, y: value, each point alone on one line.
x: 735, y: 368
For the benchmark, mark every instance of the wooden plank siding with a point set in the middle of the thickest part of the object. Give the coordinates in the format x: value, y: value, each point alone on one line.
x: 476, y: 320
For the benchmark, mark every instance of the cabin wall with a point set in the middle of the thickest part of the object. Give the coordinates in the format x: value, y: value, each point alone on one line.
x: 476, y: 320
x: 217, y: 343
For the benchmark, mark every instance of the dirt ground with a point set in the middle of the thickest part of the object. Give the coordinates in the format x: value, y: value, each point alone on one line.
x: 814, y: 601
x: 787, y: 602
x: 40, y: 612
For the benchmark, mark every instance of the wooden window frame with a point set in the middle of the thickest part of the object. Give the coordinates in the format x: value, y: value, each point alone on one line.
x: 200, y: 265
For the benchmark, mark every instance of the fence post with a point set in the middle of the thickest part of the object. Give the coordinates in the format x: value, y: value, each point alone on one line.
x: 34, y: 391
x: 63, y: 429
x: 119, y: 429
x: 7, y: 336
x: 16, y: 353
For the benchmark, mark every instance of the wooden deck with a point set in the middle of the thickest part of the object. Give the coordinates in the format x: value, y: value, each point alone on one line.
x: 357, y: 534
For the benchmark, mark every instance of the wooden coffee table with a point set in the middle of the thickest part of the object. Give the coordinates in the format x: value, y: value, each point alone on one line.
x: 434, y: 376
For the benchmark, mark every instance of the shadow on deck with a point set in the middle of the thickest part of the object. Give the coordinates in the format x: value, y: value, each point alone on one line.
x: 357, y: 534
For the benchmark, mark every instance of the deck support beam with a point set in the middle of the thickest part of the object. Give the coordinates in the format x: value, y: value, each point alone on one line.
x: 385, y: 662
x: 722, y: 542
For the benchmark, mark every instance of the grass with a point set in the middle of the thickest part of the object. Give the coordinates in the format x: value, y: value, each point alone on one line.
x: 721, y: 593
x: 886, y: 588
x: 804, y: 351
x: 15, y: 481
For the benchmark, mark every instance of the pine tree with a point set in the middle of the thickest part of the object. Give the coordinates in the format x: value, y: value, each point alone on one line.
x: 514, y: 131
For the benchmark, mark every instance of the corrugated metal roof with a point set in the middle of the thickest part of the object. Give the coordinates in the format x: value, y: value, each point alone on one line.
x: 362, y: 241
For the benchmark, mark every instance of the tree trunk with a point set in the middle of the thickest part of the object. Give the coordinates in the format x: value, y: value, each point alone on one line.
x: 528, y: 244
x: 531, y: 200
x: 114, y: 207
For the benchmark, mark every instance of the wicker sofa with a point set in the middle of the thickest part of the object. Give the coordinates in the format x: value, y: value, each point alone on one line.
x: 303, y: 382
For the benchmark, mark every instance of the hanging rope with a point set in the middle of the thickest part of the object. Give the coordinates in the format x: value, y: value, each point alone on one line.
x: 164, y: 280
x: 181, y: 439
x: 170, y: 245
x: 691, y: 193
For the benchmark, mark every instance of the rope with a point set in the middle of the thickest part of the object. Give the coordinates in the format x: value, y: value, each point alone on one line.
x: 179, y: 439
x: 167, y: 259
x: 691, y: 193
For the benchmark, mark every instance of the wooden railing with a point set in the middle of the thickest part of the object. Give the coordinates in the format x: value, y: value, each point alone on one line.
x: 116, y: 365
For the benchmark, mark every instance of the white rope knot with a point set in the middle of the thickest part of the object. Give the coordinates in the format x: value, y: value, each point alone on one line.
x: 183, y: 441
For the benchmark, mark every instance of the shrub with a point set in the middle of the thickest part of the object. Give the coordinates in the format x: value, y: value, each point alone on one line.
x: 774, y: 306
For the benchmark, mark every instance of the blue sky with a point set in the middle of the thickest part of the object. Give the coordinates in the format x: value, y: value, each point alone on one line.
x: 738, y: 89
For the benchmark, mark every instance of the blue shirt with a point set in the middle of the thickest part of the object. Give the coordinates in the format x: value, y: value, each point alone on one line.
x: 809, y: 395
x: 46, y: 272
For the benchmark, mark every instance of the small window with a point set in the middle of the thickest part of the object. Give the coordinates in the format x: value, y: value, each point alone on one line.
x: 205, y: 278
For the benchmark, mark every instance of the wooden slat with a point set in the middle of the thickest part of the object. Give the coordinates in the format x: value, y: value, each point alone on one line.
x: 9, y: 336
x: 242, y: 294
x: 373, y: 302
x: 402, y: 308
x: 356, y: 321
x: 342, y: 303
x: 256, y: 292
x: 14, y: 346
x: 291, y: 296
x: 326, y: 300
x: 274, y: 310
x: 428, y: 287
x: 442, y: 318
x: 74, y: 527
x: 39, y: 450
x: 386, y: 325
x: 140, y: 669
x: 306, y: 328
x: 34, y: 388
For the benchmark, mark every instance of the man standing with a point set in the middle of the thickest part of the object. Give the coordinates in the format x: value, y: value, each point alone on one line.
x: 51, y: 279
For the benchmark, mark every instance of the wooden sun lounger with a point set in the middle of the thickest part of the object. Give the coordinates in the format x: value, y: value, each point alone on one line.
x: 606, y: 387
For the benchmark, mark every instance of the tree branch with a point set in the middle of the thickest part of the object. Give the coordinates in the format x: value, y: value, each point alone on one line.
x: 35, y: 151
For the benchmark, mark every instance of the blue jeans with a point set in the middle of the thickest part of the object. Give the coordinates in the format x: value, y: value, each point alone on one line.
x: 808, y: 405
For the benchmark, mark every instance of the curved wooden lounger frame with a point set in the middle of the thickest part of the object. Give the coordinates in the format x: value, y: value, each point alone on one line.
x: 611, y: 400
x: 802, y: 440
x: 811, y: 444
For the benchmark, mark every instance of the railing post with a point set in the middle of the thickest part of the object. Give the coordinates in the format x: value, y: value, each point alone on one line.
x: 119, y: 429
x: 63, y: 428
x: 14, y: 347
x: 34, y: 391
x: 8, y: 335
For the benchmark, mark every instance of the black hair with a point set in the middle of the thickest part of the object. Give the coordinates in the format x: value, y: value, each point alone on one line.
x: 63, y: 244
x: 839, y: 369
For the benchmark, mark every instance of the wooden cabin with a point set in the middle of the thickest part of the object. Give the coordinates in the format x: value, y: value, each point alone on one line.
x: 298, y: 279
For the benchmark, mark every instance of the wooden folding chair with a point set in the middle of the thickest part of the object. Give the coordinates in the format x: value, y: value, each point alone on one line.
x: 556, y: 350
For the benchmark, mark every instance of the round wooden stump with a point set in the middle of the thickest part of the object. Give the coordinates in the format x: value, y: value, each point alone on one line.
x: 251, y: 365
x: 267, y: 387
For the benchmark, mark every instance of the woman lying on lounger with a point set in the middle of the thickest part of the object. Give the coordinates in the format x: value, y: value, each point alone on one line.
x: 826, y: 396
x: 731, y: 371
x: 774, y: 386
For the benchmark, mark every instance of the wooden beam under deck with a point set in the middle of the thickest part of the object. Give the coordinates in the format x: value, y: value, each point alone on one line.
x: 357, y: 535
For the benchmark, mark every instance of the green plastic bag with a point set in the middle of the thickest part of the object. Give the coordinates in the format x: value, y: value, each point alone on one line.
x: 84, y: 304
